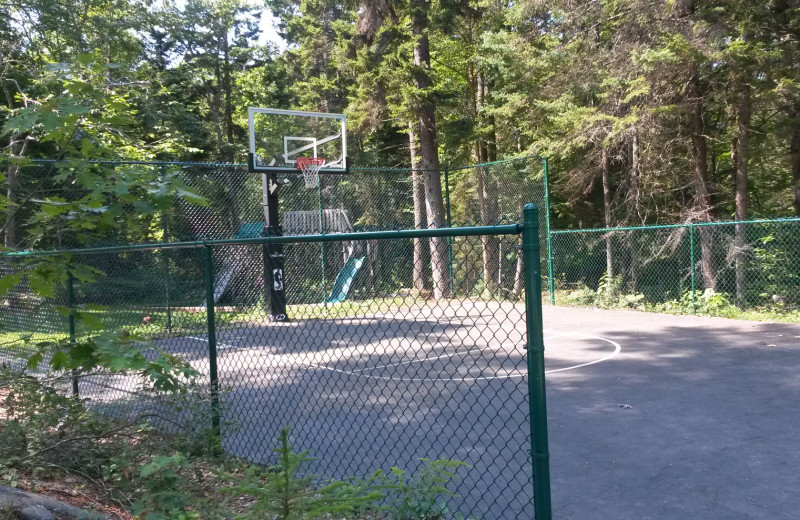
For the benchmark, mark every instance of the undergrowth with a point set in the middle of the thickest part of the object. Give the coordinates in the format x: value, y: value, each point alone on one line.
x: 610, y: 295
x: 48, y: 436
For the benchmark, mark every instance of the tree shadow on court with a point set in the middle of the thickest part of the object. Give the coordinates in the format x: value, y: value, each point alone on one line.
x: 320, y: 335
x: 367, y: 395
x: 690, y: 408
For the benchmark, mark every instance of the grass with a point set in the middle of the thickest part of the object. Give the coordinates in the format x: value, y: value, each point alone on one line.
x: 707, y: 303
x: 153, y: 322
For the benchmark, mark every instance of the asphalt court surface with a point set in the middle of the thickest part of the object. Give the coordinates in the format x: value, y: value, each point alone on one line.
x: 650, y: 416
x: 387, y: 389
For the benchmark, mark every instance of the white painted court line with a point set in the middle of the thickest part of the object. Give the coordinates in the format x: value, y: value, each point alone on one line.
x: 360, y: 372
x: 419, y: 360
x: 205, y: 340
x: 617, y: 350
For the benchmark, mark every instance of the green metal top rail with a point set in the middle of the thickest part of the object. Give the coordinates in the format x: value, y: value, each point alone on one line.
x: 674, y: 226
x: 502, y: 161
x: 244, y: 165
x: 505, y: 229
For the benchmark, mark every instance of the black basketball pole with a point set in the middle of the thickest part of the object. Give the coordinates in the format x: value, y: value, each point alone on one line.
x: 275, y: 284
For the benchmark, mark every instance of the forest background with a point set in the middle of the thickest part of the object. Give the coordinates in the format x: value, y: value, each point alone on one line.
x: 650, y: 112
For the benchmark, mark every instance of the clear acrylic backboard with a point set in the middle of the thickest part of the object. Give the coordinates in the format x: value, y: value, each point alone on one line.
x: 279, y: 137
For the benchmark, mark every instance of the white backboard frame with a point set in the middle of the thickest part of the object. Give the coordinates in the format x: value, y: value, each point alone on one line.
x: 292, y: 143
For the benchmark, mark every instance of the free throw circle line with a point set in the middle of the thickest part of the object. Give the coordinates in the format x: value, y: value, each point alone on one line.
x: 360, y: 373
x: 617, y: 350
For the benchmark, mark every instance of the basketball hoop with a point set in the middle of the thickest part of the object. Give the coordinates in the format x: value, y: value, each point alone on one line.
x: 310, y: 166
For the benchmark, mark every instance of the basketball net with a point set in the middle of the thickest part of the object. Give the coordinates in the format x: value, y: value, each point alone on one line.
x: 310, y: 166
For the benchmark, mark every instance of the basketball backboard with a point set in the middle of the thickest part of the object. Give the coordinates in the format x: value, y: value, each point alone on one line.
x: 279, y: 137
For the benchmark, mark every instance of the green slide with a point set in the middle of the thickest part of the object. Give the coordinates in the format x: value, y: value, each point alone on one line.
x: 344, y: 280
x: 250, y: 230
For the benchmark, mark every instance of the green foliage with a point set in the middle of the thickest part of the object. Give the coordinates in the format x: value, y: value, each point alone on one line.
x: 163, y: 496
x: 280, y: 492
x: 777, y: 269
x: 609, y: 294
x: 608, y: 289
x: 712, y: 303
x: 286, y: 495
x: 85, y: 119
x: 117, y: 353
x: 81, y: 120
x: 174, y: 80
x: 47, y: 435
x: 45, y: 432
x: 422, y: 495
x: 708, y: 302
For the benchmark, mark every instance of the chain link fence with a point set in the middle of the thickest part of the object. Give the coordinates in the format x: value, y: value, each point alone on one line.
x: 367, y: 198
x: 375, y: 368
x: 385, y: 375
x: 718, y: 268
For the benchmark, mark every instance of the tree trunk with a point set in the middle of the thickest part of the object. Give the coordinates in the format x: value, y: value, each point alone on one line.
x: 418, y: 194
x: 227, y: 87
x: 214, y: 98
x: 17, y: 146
x: 518, y: 275
x: 635, y: 217
x: 10, y: 226
x: 742, y: 157
x: 487, y: 188
x: 702, y: 199
x: 489, y: 210
x: 492, y: 244
x: 219, y: 98
x: 425, y: 110
x: 795, y: 158
x: 606, y: 174
x: 12, y: 192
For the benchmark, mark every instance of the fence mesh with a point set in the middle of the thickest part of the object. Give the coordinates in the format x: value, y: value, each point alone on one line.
x: 720, y: 268
x: 386, y: 376
x: 376, y: 368
x: 368, y: 198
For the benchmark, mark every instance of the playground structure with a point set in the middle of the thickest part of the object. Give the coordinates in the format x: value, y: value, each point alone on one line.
x: 371, y: 198
x: 366, y: 199
x: 240, y: 273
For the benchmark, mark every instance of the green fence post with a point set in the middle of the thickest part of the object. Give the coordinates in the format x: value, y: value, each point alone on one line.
x: 449, y: 223
x: 167, y: 282
x: 531, y: 257
x: 322, y: 245
x: 208, y: 267
x: 551, y: 285
x: 71, y: 322
x: 165, y: 229
x: 692, y: 276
